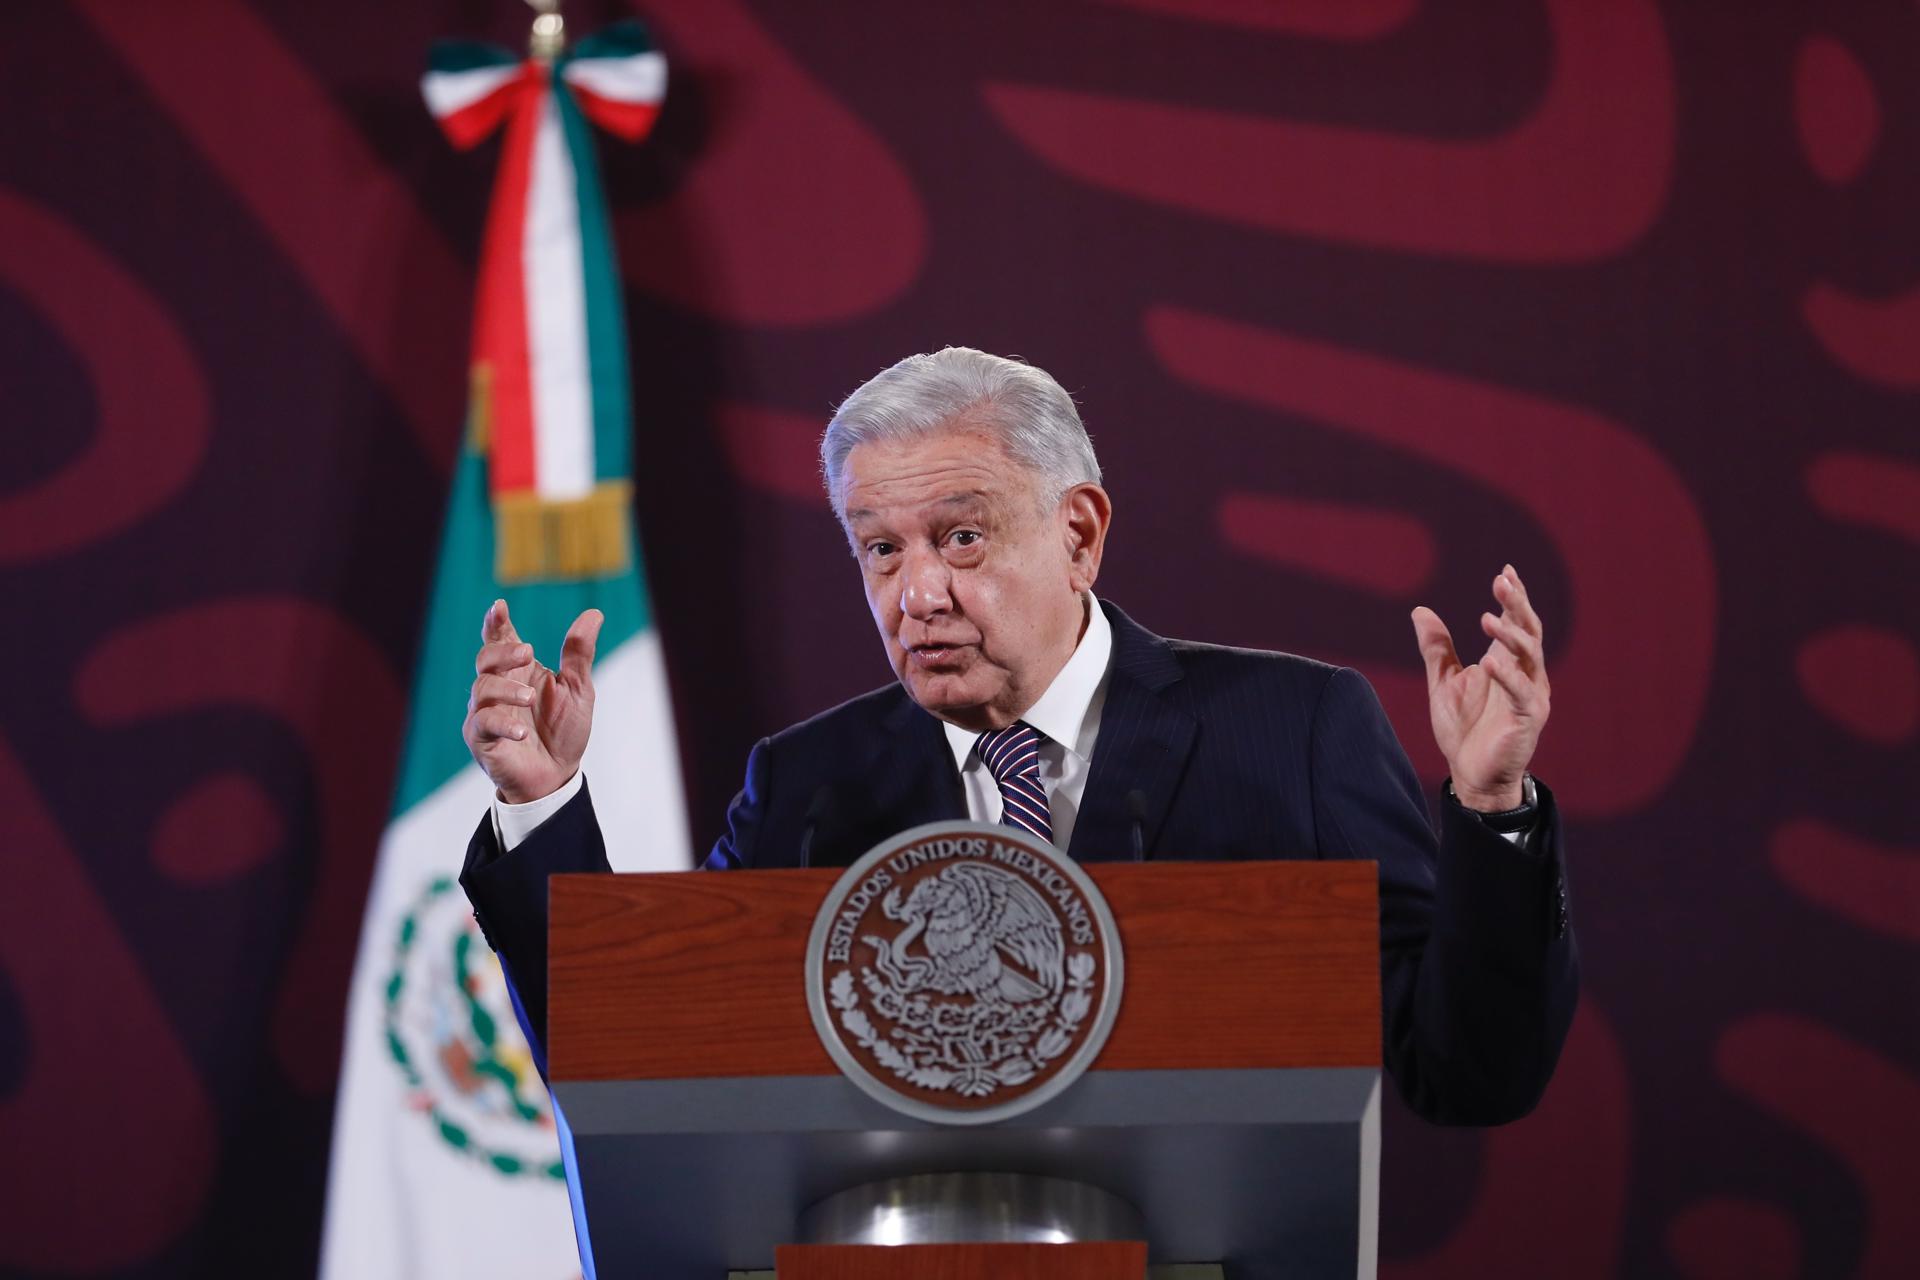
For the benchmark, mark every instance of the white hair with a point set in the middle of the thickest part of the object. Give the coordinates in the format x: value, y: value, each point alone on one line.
x: 1032, y: 415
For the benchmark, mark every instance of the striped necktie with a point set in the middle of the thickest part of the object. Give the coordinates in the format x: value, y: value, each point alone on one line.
x: 1012, y: 755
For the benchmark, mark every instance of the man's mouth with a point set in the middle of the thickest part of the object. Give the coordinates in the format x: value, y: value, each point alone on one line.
x: 936, y: 656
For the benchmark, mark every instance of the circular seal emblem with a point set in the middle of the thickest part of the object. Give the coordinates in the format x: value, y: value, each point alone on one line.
x: 964, y: 973
x: 451, y: 1032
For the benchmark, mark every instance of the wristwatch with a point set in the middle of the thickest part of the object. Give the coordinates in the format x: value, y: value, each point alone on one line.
x: 1505, y: 821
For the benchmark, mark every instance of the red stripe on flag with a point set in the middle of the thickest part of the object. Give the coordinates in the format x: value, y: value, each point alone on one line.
x: 500, y: 309
x: 630, y: 121
x: 466, y: 127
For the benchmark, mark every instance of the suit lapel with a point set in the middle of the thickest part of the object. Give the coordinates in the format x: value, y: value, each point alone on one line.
x: 914, y: 778
x: 903, y: 776
x: 1143, y: 746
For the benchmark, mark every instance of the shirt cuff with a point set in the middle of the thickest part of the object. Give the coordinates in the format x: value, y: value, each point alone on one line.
x: 513, y: 823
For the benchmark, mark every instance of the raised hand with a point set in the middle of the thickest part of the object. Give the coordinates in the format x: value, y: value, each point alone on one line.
x: 1487, y: 717
x: 527, y: 725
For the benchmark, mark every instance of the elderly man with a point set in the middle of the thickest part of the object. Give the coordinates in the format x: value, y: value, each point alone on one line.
x: 971, y: 499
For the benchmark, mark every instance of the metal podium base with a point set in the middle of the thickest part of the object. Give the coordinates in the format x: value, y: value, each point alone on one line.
x: 971, y: 1208
x: 1259, y: 1164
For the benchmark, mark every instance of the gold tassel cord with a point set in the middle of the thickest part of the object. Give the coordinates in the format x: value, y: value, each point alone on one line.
x: 537, y: 539
x: 480, y: 407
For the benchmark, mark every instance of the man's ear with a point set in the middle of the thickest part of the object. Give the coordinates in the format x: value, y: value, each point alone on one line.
x: 1087, y: 511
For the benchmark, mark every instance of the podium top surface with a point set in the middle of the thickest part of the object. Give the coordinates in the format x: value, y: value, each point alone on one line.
x: 701, y: 975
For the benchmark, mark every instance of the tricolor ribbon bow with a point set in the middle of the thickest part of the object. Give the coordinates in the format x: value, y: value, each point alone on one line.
x: 550, y: 403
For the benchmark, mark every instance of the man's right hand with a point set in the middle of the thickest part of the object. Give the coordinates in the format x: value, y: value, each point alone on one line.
x: 527, y: 725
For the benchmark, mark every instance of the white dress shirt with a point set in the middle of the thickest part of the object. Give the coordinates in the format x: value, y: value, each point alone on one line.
x: 1068, y: 718
x: 513, y: 823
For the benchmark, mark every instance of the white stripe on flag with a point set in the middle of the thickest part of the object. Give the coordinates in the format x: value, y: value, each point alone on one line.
x: 639, y: 78
x: 557, y: 318
x: 632, y: 761
x: 449, y: 91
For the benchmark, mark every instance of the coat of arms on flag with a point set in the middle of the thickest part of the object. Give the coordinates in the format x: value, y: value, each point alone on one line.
x: 445, y: 1157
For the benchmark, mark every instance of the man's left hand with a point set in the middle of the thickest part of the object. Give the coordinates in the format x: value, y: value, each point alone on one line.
x: 1487, y: 717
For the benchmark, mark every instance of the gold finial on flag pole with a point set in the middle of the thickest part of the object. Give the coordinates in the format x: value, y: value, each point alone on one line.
x: 549, y: 37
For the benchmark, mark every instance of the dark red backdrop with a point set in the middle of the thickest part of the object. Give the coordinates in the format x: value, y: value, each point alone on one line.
x: 1361, y: 297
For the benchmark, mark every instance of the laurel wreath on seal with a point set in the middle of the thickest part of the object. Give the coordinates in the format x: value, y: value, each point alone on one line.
x: 973, y: 1051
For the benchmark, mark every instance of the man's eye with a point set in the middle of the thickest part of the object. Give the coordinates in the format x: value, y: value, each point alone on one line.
x: 965, y: 537
x: 879, y: 549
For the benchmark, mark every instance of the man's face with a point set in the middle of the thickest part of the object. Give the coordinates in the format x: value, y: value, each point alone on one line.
x: 975, y: 590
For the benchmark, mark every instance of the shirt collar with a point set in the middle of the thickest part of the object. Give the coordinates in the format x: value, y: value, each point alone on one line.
x: 1061, y: 712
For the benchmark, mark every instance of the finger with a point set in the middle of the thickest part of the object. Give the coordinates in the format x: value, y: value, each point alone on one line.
x: 498, y: 624
x: 1505, y: 671
x: 1514, y: 601
x: 576, y: 653
x: 502, y: 656
x: 500, y: 691
x: 1505, y: 631
x: 1436, y: 646
x: 491, y: 724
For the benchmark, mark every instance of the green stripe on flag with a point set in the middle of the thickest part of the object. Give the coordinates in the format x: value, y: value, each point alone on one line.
x: 468, y: 55
x: 621, y: 40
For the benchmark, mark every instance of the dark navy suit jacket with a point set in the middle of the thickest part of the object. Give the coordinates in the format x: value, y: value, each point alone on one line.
x: 1236, y: 754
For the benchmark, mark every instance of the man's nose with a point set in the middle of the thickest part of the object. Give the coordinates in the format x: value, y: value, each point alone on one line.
x: 928, y: 584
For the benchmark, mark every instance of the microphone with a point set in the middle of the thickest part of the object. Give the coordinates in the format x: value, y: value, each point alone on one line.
x: 817, y: 810
x: 1137, y: 815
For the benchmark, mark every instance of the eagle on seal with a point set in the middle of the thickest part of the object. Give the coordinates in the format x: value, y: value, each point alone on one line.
x: 986, y: 932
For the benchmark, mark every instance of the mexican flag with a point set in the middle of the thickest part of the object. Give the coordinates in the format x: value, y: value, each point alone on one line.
x: 445, y: 1161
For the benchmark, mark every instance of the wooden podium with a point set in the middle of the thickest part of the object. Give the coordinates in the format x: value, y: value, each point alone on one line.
x: 1235, y: 1105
